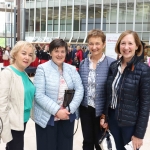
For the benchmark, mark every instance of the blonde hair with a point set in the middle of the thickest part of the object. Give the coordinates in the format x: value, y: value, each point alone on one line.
x: 18, y: 46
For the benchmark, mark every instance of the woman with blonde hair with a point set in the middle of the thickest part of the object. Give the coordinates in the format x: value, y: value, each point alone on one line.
x: 16, y: 96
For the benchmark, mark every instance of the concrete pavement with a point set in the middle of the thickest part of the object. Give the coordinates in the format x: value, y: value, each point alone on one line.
x: 30, y: 138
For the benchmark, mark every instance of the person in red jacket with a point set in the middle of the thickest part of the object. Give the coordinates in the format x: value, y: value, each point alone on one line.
x: 79, y: 53
x: 68, y: 58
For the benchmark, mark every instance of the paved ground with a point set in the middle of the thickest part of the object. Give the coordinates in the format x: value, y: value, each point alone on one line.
x: 30, y: 140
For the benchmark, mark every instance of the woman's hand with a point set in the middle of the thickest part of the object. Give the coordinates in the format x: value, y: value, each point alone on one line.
x: 63, y: 114
x: 103, y: 124
x: 137, y: 143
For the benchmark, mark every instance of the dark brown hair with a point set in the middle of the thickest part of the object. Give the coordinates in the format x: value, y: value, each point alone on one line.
x: 58, y: 43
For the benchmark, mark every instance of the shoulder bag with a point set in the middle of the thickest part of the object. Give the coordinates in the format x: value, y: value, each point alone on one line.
x: 107, y: 141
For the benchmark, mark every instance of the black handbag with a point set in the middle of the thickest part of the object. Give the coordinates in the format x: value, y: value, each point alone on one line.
x: 68, y: 96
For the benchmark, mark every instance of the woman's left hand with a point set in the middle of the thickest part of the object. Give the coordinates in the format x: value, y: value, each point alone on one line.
x: 137, y: 143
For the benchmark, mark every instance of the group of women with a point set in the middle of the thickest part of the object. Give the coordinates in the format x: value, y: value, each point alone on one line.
x: 108, y: 92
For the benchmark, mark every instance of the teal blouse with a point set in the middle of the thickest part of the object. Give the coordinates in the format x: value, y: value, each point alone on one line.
x: 29, y: 91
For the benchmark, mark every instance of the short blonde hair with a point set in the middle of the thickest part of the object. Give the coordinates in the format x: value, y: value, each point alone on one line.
x: 18, y: 46
x: 138, y: 43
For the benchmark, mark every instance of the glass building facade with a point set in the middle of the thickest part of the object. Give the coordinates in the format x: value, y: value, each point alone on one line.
x: 72, y: 19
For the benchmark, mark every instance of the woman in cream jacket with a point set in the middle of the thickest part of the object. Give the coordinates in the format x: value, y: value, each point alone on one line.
x: 16, y: 95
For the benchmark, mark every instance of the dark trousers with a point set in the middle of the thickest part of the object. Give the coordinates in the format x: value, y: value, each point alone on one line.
x: 90, y: 128
x: 17, y: 143
x: 122, y: 135
x: 57, y: 137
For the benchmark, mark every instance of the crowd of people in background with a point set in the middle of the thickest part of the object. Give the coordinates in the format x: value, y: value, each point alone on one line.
x: 74, y: 56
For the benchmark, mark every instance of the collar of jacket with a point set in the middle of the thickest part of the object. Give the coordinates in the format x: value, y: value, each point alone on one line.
x: 130, y: 64
x: 54, y: 65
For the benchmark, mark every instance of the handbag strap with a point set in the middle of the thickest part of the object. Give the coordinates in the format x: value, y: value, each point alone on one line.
x: 73, y: 133
x: 1, y: 126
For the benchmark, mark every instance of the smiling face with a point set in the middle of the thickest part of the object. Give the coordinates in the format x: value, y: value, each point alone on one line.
x: 23, y: 58
x: 58, y: 56
x: 128, y: 47
x: 96, y: 46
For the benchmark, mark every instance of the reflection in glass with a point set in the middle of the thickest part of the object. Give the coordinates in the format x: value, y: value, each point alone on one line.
x: 91, y: 17
x: 31, y: 22
x: 27, y: 20
x: 50, y: 19
x: 76, y: 26
x: 113, y: 14
x: 130, y: 13
x: 122, y: 17
x: 43, y: 19
x: 37, y: 19
x: 83, y: 17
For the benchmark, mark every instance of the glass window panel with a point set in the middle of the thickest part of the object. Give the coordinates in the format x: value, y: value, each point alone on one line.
x: 31, y: 22
x: 113, y: 14
x: 77, y: 9
x: 69, y: 18
x: 63, y: 18
x: 50, y: 19
x: 106, y: 8
x: 37, y: 19
x: 43, y: 19
x: 56, y: 17
x: 139, y: 16
x: 98, y: 16
x: 146, y: 16
x: 122, y: 16
x: 130, y: 13
x: 27, y: 20
x: 83, y: 18
x: 91, y: 10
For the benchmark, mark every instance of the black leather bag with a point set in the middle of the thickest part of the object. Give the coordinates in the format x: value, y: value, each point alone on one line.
x: 68, y: 96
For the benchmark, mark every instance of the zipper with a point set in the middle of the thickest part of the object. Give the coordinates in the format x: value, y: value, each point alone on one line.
x: 124, y: 72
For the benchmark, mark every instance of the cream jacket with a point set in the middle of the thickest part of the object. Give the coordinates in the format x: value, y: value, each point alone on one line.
x: 11, y: 103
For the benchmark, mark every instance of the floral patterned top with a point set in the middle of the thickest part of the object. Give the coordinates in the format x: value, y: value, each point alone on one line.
x: 92, y: 82
x: 62, y: 87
